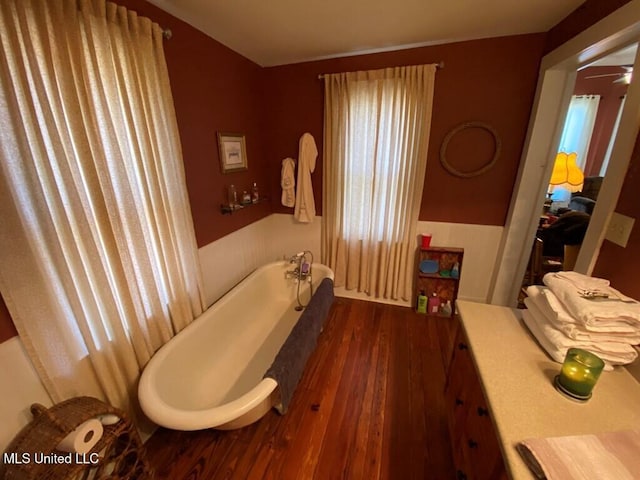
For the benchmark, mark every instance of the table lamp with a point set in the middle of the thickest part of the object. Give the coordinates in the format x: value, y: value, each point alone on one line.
x: 566, y: 173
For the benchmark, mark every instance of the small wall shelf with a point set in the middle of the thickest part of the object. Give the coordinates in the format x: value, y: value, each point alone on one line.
x: 435, y: 275
x: 229, y: 209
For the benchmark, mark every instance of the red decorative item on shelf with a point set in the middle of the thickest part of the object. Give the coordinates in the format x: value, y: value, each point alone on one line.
x: 438, y: 271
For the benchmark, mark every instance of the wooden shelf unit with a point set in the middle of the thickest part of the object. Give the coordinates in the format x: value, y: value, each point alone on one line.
x: 441, y: 282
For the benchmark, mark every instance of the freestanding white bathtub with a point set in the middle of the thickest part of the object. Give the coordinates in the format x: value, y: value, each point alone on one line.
x: 211, y: 373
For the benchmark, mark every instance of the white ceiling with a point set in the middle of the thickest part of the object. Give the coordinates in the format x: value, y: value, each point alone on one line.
x: 277, y: 32
x: 624, y: 56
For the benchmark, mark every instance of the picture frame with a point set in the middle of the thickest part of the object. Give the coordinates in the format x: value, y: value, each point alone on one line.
x: 233, y: 152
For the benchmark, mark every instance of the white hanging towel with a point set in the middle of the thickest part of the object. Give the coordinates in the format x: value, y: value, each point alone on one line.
x: 288, y: 182
x: 305, y: 209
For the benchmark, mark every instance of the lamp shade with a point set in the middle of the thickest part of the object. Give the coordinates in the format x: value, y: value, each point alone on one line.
x: 566, y: 173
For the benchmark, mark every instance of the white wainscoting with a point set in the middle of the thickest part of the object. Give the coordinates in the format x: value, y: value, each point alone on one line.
x: 288, y: 237
x: 480, y: 243
x: 21, y: 388
x: 228, y: 260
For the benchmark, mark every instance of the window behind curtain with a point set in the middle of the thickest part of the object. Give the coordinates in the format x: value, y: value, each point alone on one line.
x: 578, y: 126
x: 98, y: 259
x: 373, y: 169
x: 376, y: 135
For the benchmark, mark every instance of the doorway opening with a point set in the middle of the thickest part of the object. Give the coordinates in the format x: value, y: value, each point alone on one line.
x: 555, y: 87
x: 587, y: 139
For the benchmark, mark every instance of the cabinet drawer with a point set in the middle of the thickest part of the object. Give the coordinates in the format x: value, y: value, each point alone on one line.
x: 475, y: 447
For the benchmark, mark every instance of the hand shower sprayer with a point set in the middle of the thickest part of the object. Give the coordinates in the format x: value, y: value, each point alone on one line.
x: 302, y: 272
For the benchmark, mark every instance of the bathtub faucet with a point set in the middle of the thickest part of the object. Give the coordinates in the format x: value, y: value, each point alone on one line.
x: 296, y: 258
x: 295, y: 273
x: 303, y: 274
x: 303, y: 267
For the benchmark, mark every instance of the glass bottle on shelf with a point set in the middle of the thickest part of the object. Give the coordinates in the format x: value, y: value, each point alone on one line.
x: 455, y: 270
x: 233, y: 196
x: 446, y: 308
x: 255, y: 195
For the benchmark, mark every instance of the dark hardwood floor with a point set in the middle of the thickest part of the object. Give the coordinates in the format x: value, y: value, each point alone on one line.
x: 369, y: 406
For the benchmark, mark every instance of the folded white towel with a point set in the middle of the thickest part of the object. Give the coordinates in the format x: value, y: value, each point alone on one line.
x: 608, y: 331
x: 557, y: 343
x: 583, y: 282
x: 568, y: 287
x: 556, y: 353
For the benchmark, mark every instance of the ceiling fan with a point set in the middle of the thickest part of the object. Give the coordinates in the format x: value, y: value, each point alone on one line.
x: 624, y: 77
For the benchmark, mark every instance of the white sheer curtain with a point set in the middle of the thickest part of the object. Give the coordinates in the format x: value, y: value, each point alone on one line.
x: 375, y: 152
x: 612, y: 140
x: 576, y: 137
x: 98, y: 259
x: 578, y: 126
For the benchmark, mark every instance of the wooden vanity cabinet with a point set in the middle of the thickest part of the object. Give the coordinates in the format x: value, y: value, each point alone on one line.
x: 475, y: 447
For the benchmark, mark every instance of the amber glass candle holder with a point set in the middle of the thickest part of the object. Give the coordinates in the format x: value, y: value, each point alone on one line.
x: 579, y: 374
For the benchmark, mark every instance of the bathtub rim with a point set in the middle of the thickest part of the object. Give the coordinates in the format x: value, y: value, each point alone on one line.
x: 187, y: 420
x: 170, y: 416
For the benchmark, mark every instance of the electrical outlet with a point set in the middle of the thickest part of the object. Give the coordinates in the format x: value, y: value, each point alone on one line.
x: 619, y: 229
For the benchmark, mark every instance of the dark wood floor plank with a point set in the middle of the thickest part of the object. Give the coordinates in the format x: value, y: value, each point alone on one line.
x: 258, y: 450
x: 368, y: 426
x: 398, y: 418
x: 370, y: 405
x: 318, y: 401
x: 339, y: 441
x: 419, y: 355
x: 376, y: 458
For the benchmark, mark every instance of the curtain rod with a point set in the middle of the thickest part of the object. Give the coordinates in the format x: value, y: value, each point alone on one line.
x: 439, y: 65
x: 167, y: 33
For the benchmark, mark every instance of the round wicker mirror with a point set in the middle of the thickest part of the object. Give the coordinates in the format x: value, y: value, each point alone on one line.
x: 474, y: 173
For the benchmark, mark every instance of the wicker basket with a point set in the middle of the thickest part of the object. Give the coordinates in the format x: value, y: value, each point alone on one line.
x: 120, y: 452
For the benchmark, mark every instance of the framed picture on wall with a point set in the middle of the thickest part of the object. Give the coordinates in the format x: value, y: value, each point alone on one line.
x: 233, y: 152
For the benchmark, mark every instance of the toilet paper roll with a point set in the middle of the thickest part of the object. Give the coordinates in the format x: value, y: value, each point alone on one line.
x: 109, y: 419
x: 83, y: 438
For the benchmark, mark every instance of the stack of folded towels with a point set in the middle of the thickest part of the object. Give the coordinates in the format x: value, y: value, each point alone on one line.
x: 576, y: 311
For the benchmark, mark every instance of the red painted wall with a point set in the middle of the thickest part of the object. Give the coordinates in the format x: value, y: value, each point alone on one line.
x: 621, y: 265
x: 587, y: 14
x: 214, y: 90
x: 491, y: 80
x: 611, y: 95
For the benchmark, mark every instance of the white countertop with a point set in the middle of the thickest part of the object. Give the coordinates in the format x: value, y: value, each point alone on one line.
x: 517, y: 375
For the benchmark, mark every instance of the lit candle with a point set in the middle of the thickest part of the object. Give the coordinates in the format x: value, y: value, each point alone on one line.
x: 580, y: 372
